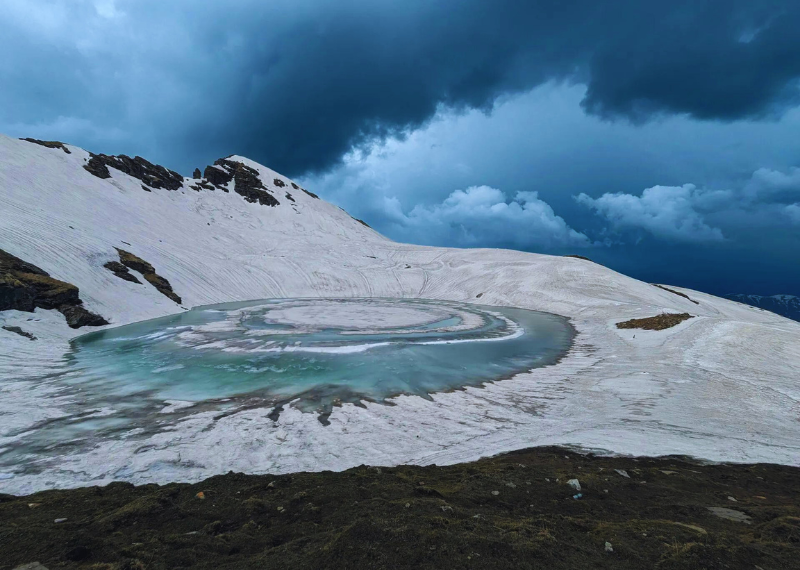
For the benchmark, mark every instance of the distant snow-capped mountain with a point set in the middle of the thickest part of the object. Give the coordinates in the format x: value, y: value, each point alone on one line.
x: 785, y: 305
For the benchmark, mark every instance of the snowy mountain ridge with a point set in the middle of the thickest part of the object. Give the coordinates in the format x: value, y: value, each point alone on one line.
x: 721, y: 385
x: 785, y: 305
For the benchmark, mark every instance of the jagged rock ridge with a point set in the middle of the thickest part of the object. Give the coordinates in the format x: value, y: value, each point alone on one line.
x: 247, y: 182
x: 154, y: 175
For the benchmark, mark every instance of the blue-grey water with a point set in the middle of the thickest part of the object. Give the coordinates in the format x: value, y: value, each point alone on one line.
x: 182, y: 358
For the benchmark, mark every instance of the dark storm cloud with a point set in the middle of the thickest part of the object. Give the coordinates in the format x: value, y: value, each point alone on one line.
x: 297, y: 84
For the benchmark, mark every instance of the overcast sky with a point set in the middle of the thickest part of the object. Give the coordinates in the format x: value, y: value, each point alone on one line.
x: 659, y: 138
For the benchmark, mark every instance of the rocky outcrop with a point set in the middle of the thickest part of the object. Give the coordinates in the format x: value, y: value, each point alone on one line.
x: 25, y: 287
x: 77, y: 316
x: 48, y: 144
x: 204, y: 185
x: 216, y: 175
x: 154, y: 175
x: 196, y: 174
x: 131, y: 261
x: 278, y: 182
x: 310, y: 193
x: 121, y: 271
x: 674, y: 292
x: 247, y: 182
x: 20, y: 332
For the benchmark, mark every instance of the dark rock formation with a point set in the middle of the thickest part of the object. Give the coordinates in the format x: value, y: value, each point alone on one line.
x: 78, y: 317
x: 678, y: 293
x: 121, y: 271
x: 97, y: 167
x: 154, y: 175
x: 362, y: 222
x: 136, y: 263
x: 24, y: 287
x: 295, y: 186
x: 48, y: 144
x: 289, y: 197
x: 246, y: 181
x: 20, y: 332
x: 204, y: 185
x: 579, y: 257
x: 216, y: 175
x: 310, y: 193
x: 278, y: 182
x: 196, y: 174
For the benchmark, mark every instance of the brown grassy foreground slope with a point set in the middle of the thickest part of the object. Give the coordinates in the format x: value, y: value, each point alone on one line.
x: 512, y: 511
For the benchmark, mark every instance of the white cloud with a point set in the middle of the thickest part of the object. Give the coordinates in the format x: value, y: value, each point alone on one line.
x: 793, y: 212
x: 669, y: 212
x: 766, y: 182
x: 484, y: 216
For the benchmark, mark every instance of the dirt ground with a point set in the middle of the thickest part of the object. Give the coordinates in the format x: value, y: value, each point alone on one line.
x: 512, y: 511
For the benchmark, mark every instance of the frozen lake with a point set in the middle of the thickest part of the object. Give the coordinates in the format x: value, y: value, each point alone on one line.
x: 312, y: 353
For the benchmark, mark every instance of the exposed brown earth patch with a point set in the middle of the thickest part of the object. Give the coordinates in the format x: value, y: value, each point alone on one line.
x: 131, y: 261
x: 512, y: 511
x: 25, y: 287
x: 658, y: 323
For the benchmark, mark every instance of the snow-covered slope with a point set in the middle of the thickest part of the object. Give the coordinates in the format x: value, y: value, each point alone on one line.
x: 722, y: 386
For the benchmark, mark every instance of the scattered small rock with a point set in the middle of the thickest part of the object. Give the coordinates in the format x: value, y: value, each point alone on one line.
x: 732, y: 499
x: 31, y: 566
x: 575, y: 484
x: 623, y: 473
x: 57, y: 521
x: 34, y: 505
x: 201, y: 495
x: 495, y: 493
x: 609, y: 548
x: 446, y: 508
